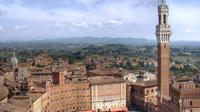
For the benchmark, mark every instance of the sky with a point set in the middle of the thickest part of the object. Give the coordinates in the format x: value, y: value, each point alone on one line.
x: 48, y: 19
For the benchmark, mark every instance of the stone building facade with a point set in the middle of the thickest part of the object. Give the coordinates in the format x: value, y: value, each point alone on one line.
x: 185, y: 97
x: 143, y: 94
x: 108, y: 94
x: 22, y: 73
x: 9, y: 75
x: 43, y: 60
x: 40, y: 77
x: 66, y: 96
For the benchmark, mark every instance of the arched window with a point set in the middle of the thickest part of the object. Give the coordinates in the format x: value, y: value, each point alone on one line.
x: 190, y: 103
x: 165, y: 38
x: 164, y: 17
x: 159, y: 19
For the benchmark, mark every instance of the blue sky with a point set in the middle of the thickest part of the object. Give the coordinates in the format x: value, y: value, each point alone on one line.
x: 46, y: 19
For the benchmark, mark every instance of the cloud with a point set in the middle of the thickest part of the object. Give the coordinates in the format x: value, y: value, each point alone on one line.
x: 72, y: 30
x: 28, y: 31
x: 99, y: 24
x: 116, y: 22
x: 3, y: 12
x: 1, y: 27
x: 127, y: 18
x: 105, y: 11
x: 82, y: 24
x: 19, y: 27
x: 61, y: 24
x: 187, y: 30
x: 88, y: 1
x: 179, y: 15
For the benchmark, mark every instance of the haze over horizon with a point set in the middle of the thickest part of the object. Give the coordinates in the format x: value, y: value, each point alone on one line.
x: 48, y: 19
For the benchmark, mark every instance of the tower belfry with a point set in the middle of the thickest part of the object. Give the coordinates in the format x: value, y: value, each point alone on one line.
x: 163, y: 33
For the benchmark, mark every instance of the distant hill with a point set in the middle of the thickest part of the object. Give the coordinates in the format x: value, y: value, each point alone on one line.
x: 103, y: 40
x: 186, y: 43
x: 99, y: 41
x: 126, y: 41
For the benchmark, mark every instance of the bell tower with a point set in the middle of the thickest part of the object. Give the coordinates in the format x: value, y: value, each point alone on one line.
x: 163, y: 33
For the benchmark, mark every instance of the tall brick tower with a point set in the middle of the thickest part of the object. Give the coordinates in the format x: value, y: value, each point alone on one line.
x: 163, y: 33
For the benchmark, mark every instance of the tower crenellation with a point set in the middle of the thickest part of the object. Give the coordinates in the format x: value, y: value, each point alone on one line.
x: 163, y: 29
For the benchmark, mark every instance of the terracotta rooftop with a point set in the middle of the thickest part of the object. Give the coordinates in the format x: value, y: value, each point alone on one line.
x: 40, y: 72
x: 146, y: 83
x: 186, y: 87
x: 1, y: 72
x: 24, y: 101
x: 21, y: 101
x: 24, y: 64
x: 188, y: 90
x: 107, y: 71
x: 34, y: 96
x: 8, y: 107
x: 7, y: 69
x: 182, y: 79
x: 3, y: 92
x: 44, y: 55
x: 37, y: 89
x: 105, y: 80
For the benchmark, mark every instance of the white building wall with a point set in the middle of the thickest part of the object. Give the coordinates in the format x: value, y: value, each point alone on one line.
x: 131, y: 77
x: 108, y: 102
